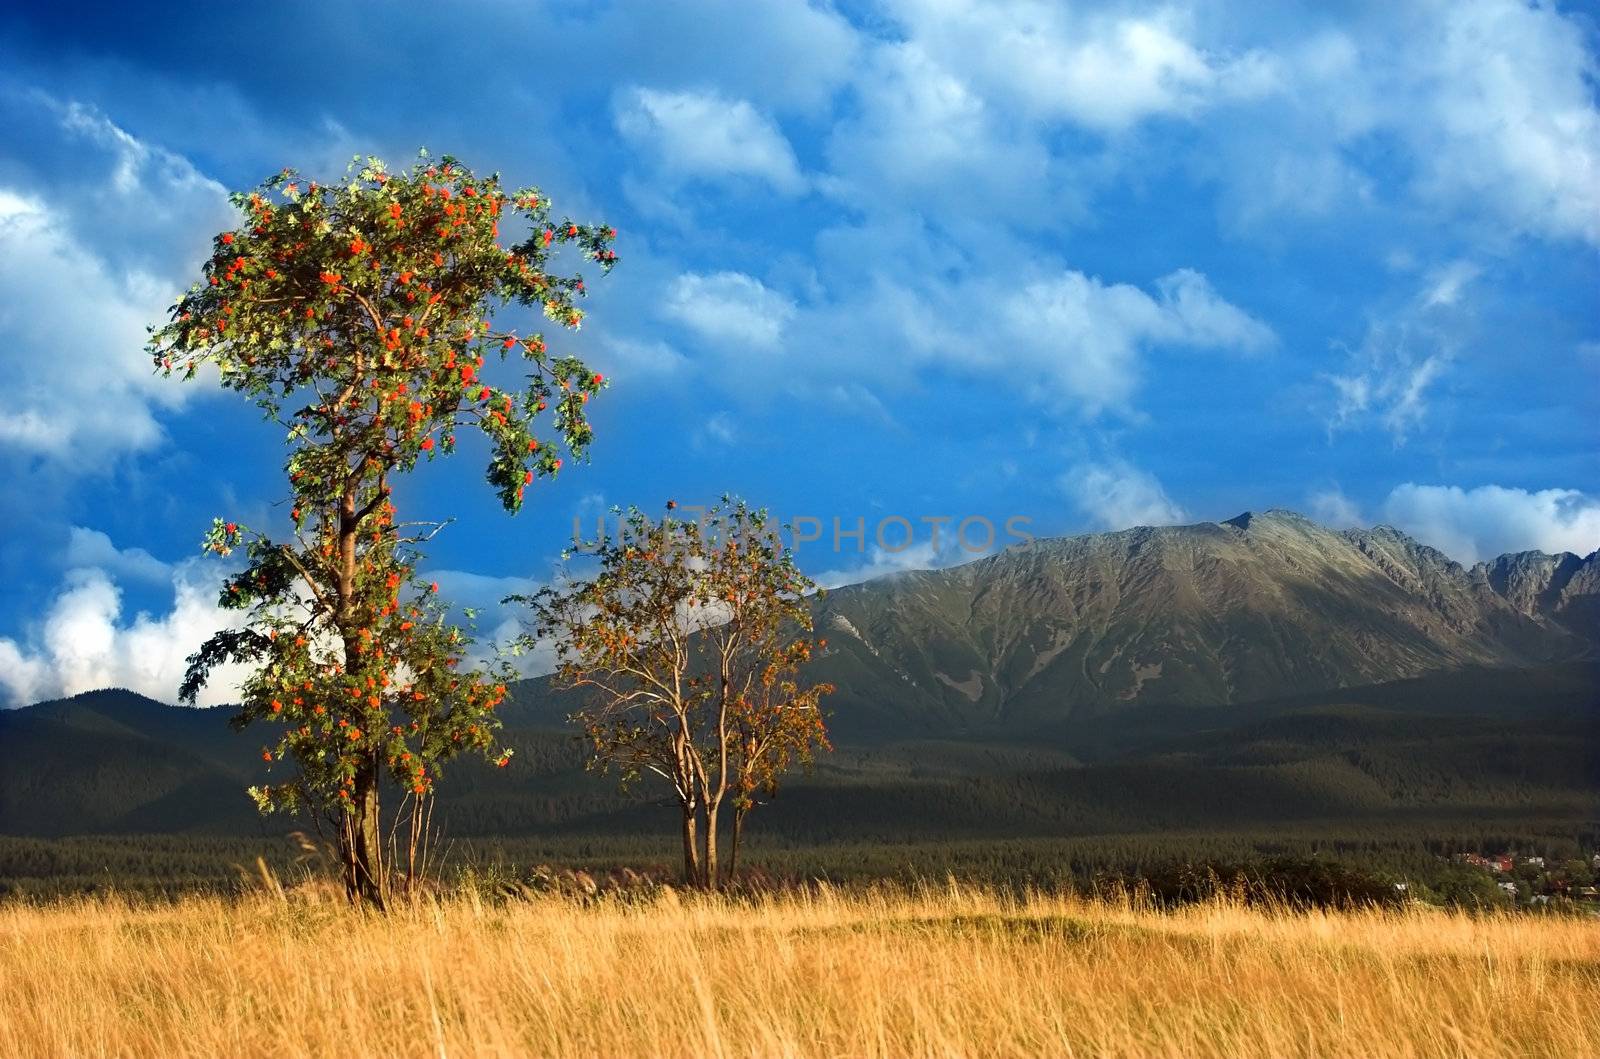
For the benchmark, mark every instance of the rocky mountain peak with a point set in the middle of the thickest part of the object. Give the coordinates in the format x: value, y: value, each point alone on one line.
x: 1264, y: 604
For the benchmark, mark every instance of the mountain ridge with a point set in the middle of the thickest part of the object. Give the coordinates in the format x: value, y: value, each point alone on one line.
x: 1257, y: 606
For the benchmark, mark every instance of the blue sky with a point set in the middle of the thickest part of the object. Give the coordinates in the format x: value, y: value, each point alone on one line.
x: 1093, y: 265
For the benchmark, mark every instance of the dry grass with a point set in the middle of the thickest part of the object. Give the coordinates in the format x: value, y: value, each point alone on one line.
x: 946, y: 972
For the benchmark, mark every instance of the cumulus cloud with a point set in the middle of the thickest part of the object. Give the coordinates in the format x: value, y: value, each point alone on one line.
x: 76, y: 382
x: 1116, y: 495
x: 951, y: 148
x: 84, y: 642
x: 921, y: 137
x: 1490, y: 104
x: 1511, y: 116
x: 112, y: 232
x: 704, y: 135
x: 1195, y: 315
x: 479, y: 592
x: 91, y: 548
x: 143, y: 209
x: 1065, y: 339
x: 970, y: 108
x: 790, y: 55
x: 1106, y: 71
x: 1085, y: 337
x: 1474, y: 524
x: 730, y: 309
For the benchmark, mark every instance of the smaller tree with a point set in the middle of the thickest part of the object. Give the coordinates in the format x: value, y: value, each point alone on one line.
x: 690, y: 638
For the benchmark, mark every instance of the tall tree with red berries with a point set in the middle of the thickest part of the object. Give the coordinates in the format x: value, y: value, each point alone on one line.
x: 357, y: 316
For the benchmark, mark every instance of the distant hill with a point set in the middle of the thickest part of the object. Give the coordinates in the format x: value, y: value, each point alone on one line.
x: 115, y: 760
x: 1259, y: 673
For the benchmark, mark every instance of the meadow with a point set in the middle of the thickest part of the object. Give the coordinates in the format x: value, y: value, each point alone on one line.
x: 931, y: 970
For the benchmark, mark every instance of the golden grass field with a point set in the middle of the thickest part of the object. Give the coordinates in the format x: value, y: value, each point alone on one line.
x: 944, y: 971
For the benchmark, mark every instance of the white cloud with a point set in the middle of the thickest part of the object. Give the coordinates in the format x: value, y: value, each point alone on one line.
x: 642, y: 358
x: 83, y: 642
x: 854, y: 400
x: 1488, y: 105
x: 88, y: 258
x: 1388, y: 379
x: 1394, y: 387
x: 657, y: 201
x: 1474, y: 524
x: 1083, y: 337
x: 1510, y: 115
x: 920, y: 137
x: 730, y: 308
x: 590, y: 504
x: 24, y: 677
x: 1103, y: 71
x: 1117, y: 495
x: 914, y: 115
x: 1446, y: 284
x: 76, y: 382
x: 479, y: 592
x: 881, y: 562
x: 1332, y: 508
x: 91, y: 548
x: 1061, y: 338
x: 1194, y: 315
x: 719, y: 429
x: 704, y: 135
x: 790, y: 55
x: 492, y: 624
x: 1315, y: 180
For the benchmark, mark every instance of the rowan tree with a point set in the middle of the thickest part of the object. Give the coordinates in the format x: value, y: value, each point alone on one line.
x: 689, y: 638
x: 356, y: 315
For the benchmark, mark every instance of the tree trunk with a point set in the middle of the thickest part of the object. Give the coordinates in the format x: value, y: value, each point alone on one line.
x: 361, y: 836
x: 733, y: 848
x: 417, y: 841
x: 363, y: 855
x: 691, y: 848
x: 709, y: 868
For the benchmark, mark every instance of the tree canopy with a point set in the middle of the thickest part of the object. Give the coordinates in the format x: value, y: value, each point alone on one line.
x: 689, y: 639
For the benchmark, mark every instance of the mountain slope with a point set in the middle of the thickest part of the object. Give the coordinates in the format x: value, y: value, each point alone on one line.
x: 107, y: 760
x: 1257, y: 607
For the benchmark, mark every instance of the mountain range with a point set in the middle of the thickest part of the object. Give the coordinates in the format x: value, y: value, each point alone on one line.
x: 1259, y: 673
x: 1261, y: 606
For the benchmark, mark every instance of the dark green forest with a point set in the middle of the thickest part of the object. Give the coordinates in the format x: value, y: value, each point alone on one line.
x: 109, y: 790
